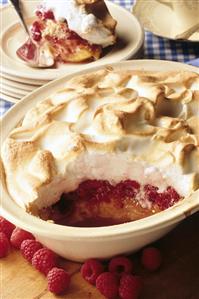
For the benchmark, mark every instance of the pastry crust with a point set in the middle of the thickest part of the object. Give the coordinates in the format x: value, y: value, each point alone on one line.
x: 108, y: 124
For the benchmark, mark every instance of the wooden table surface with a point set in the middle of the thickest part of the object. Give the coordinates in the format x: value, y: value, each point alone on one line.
x: 178, y: 277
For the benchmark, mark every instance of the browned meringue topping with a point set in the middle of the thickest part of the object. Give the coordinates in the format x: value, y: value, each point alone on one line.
x: 110, y: 124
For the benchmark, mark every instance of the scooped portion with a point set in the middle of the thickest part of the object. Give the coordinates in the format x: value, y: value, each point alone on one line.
x: 99, y: 203
x: 112, y: 127
x: 69, y: 31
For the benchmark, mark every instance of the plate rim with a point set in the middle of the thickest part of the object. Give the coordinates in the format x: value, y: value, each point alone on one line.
x: 21, y: 80
x: 17, y: 85
x: 9, y: 99
x: 12, y: 90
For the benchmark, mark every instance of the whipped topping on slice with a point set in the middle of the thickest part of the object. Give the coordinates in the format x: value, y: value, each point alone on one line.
x: 85, y: 24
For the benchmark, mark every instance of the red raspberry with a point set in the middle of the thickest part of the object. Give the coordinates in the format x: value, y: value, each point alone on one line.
x: 48, y: 15
x: 168, y: 198
x: 107, y: 283
x: 4, y: 245
x: 151, y: 193
x: 91, y: 269
x: 29, y: 247
x: 120, y: 264
x: 127, y: 188
x: 58, y: 280
x: 151, y: 258
x: 173, y: 193
x: 6, y: 227
x: 44, y: 260
x: 130, y: 286
x: 18, y: 236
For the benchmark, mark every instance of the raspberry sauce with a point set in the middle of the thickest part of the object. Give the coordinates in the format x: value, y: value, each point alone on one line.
x: 27, y: 51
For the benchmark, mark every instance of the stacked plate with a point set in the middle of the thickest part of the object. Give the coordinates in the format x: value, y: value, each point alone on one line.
x: 18, y: 79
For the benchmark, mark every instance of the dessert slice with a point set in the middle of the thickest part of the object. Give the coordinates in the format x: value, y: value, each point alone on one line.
x: 70, y: 31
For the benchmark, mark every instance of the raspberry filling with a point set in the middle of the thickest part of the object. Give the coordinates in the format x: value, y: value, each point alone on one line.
x: 99, y: 203
x: 36, y: 31
x: 45, y: 15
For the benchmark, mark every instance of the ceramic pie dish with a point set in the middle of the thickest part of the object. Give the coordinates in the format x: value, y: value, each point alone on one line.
x: 105, y: 241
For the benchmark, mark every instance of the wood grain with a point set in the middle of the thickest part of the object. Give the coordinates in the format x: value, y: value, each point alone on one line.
x: 178, y: 277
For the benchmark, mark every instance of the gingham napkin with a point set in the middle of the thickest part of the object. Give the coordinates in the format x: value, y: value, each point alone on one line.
x: 194, y: 62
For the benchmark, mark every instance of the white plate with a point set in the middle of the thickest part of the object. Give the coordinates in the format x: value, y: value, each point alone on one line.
x: 159, y: 19
x: 8, y: 98
x: 129, y: 32
x: 24, y: 80
x: 16, y: 85
x: 15, y: 92
x: 12, y: 94
x: 94, y: 242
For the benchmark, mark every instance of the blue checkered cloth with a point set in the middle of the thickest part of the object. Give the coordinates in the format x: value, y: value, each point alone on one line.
x: 155, y: 48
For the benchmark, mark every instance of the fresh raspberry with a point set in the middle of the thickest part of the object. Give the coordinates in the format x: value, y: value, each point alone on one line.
x: 107, y: 283
x: 6, y: 227
x: 18, y: 236
x: 130, y: 286
x: 120, y: 264
x: 44, y: 260
x: 151, y: 258
x: 91, y: 269
x: 4, y: 245
x: 29, y: 247
x: 58, y: 280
